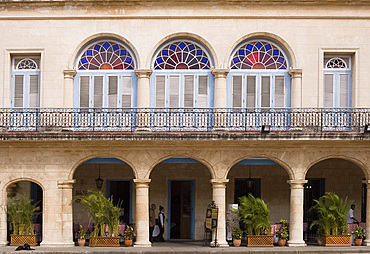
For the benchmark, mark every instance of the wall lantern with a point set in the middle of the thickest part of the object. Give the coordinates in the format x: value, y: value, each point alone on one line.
x: 99, y: 181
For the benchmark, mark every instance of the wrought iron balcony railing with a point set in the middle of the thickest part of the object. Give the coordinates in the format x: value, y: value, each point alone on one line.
x: 184, y: 119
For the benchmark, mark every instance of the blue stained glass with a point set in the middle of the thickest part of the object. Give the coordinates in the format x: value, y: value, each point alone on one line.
x: 276, y: 52
x: 241, y: 52
x: 199, y: 52
x: 159, y: 60
x: 130, y: 68
x: 123, y: 52
x: 191, y: 47
x: 236, y: 60
x: 157, y: 67
x: 234, y: 67
x: 268, y: 47
x: 283, y: 67
x: 204, y: 60
x: 97, y: 47
x: 259, y: 45
x: 165, y: 52
x: 173, y: 47
x: 89, y: 52
x: 115, y: 47
x: 106, y: 45
x: 82, y: 68
x: 280, y: 60
x: 249, y: 47
x: 206, y: 67
x: 83, y: 60
x: 128, y: 60
x: 182, y: 45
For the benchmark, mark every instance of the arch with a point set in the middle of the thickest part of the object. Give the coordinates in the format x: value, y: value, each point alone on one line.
x: 15, y: 180
x: 159, y: 160
x: 361, y: 165
x: 267, y: 36
x: 83, y: 160
x: 281, y: 163
x: 83, y: 44
x: 183, y: 35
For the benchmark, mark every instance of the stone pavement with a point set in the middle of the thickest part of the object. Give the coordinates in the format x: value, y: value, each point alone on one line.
x: 189, y: 247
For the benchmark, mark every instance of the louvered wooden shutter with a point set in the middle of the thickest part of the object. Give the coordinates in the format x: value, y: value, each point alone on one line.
x: 174, y: 91
x: 328, y: 90
x: 251, y: 92
x: 237, y: 91
x: 265, y: 95
x: 112, y: 91
x: 98, y: 91
x: 18, y: 90
x: 84, y: 91
x: 34, y: 91
x: 126, y: 91
x: 160, y: 91
x: 189, y: 91
x: 279, y: 91
x: 203, y: 91
x: 344, y: 90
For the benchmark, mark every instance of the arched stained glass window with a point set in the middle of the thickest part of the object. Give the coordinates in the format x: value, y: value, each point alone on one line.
x: 336, y: 63
x: 182, y: 55
x: 259, y: 54
x: 106, y: 55
x: 27, y: 64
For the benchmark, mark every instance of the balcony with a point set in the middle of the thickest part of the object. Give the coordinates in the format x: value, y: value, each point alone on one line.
x: 185, y: 120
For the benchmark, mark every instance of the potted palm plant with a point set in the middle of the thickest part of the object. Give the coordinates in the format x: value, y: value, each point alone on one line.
x: 101, y: 210
x: 255, y: 214
x: 237, y: 236
x: 21, y: 211
x: 282, y: 233
x: 128, y: 235
x: 359, y: 235
x: 332, y: 220
x: 82, y: 234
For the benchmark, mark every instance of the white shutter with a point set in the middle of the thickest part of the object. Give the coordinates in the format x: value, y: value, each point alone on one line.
x: 344, y: 90
x: 203, y: 92
x: 98, y: 91
x: 279, y: 91
x: 160, y: 91
x: 112, y: 91
x: 84, y: 91
x: 328, y: 90
x: 251, y: 92
x: 34, y: 91
x: 126, y: 91
x: 18, y: 90
x: 189, y: 91
x: 237, y: 91
x: 265, y: 92
x: 174, y: 91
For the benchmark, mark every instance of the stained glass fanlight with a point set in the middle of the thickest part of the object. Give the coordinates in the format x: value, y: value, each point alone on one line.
x: 182, y: 55
x: 259, y: 54
x: 106, y: 55
x: 336, y: 63
x: 26, y: 64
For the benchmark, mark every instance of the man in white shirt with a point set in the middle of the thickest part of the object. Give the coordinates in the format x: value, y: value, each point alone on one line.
x: 350, y: 218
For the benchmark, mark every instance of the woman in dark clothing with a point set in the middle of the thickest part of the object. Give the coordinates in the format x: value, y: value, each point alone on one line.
x: 161, y: 219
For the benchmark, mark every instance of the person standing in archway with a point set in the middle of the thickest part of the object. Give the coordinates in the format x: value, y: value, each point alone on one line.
x: 350, y: 217
x: 161, y: 219
x: 151, y: 221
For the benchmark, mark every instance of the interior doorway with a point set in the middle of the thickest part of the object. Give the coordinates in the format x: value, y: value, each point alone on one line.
x: 181, y: 209
x: 120, y: 191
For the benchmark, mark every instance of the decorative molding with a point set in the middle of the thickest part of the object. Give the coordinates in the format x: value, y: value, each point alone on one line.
x: 66, y: 184
x: 69, y: 74
x: 295, y: 73
x: 220, y: 73
x: 143, y: 73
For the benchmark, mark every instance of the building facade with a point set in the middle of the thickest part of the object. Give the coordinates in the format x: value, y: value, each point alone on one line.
x: 179, y: 104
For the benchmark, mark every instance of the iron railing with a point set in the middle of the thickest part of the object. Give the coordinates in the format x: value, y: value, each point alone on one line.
x: 184, y: 119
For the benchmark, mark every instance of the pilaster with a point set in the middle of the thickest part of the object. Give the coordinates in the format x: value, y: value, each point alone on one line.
x: 296, y: 87
x: 68, y: 88
x: 220, y: 99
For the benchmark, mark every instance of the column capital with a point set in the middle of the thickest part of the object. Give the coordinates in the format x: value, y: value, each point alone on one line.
x: 220, y: 73
x: 66, y: 184
x: 366, y: 182
x: 69, y: 74
x: 143, y: 73
x: 296, y: 73
x: 297, y: 184
x: 219, y: 183
x: 142, y: 183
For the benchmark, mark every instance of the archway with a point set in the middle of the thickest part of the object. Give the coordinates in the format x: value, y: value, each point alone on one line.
x: 182, y: 186
x: 117, y: 183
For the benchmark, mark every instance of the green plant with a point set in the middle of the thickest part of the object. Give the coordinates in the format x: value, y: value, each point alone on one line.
x: 82, y: 232
x: 255, y: 214
x: 101, y: 210
x: 129, y: 233
x: 21, y: 211
x: 332, y: 214
x: 358, y: 232
x: 237, y: 233
x: 282, y: 232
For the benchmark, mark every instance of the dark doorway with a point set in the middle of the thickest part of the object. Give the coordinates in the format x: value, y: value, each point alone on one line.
x: 181, y: 209
x: 246, y: 186
x: 120, y: 191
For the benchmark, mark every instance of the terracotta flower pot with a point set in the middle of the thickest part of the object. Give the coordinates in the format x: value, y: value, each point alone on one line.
x: 358, y: 242
x: 281, y: 242
x: 237, y: 242
x: 81, y: 242
x: 128, y: 243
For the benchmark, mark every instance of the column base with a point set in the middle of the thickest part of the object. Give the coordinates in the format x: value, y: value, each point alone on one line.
x: 297, y: 244
x: 366, y: 243
x: 219, y: 244
x: 51, y: 244
x: 4, y: 243
x: 143, y: 244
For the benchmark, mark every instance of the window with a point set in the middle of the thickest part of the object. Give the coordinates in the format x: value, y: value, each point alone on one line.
x: 105, y: 76
x: 258, y: 76
x: 25, y: 81
x: 182, y: 76
x: 337, y: 81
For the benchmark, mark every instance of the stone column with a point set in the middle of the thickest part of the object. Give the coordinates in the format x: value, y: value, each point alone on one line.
x: 220, y: 99
x: 3, y: 222
x: 143, y: 99
x: 367, y: 240
x: 219, y: 196
x: 68, y: 88
x: 296, y: 88
x: 296, y: 213
x: 57, y: 228
x: 142, y: 213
